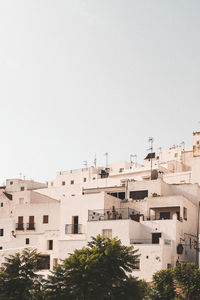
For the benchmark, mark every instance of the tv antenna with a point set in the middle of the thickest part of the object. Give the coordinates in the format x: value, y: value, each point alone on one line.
x: 85, y: 163
x: 95, y: 160
x: 150, y: 140
x: 106, y: 154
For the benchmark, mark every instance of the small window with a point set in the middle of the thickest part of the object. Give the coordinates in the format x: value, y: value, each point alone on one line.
x: 190, y: 243
x: 175, y: 154
x: 63, y: 182
x: 1, y: 247
x: 50, y: 244
x: 72, y: 182
x: 22, y: 188
x: 197, y: 142
x: 84, y: 179
x: 121, y: 170
x: 1, y: 232
x: 11, y: 182
x: 137, y: 265
x: 107, y: 233
x: 94, y: 178
x: 1, y: 204
x: 157, y: 157
x: 45, y: 219
x: 27, y: 241
x: 185, y: 213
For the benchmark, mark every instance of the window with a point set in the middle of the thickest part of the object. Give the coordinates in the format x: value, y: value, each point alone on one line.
x: 137, y: 265
x: 197, y: 142
x: 185, y: 213
x: 1, y: 204
x: 1, y: 232
x: 155, y: 237
x: 11, y: 182
x: 72, y: 182
x: 138, y: 195
x: 157, y: 157
x: 50, y: 244
x: 175, y: 154
x: 22, y: 188
x: 43, y: 262
x: 45, y: 219
x: 75, y: 225
x: 1, y: 247
x: 190, y: 243
x: 27, y: 241
x: 63, y: 182
x: 107, y: 233
x: 84, y: 179
x: 121, y: 170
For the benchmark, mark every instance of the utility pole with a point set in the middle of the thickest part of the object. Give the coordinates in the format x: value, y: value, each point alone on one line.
x: 150, y: 140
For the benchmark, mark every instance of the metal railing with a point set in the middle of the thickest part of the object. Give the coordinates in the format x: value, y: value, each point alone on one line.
x: 30, y: 226
x: 113, y: 214
x: 19, y: 226
x: 73, y: 229
x: 141, y: 241
x: 153, y: 218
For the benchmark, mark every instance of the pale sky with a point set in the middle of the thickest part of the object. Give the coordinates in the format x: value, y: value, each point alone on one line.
x: 85, y: 77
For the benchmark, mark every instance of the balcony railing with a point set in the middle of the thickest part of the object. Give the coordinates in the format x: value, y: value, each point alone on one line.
x: 73, y: 229
x: 19, y: 226
x: 30, y: 226
x: 113, y: 214
x: 148, y: 241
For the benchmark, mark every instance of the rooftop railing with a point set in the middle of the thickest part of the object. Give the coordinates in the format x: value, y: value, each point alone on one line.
x: 113, y: 214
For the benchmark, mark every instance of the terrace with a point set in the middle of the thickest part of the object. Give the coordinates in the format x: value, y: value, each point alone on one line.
x: 113, y: 214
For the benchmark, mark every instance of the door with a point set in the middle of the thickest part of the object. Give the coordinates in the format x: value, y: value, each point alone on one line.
x: 31, y: 222
x: 75, y: 224
x: 155, y: 237
x: 20, y: 223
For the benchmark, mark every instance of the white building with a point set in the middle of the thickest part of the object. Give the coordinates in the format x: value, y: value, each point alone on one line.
x: 158, y: 216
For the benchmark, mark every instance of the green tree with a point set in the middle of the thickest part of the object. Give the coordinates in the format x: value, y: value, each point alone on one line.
x: 99, y: 271
x: 18, y: 279
x: 163, y: 285
x: 187, y: 276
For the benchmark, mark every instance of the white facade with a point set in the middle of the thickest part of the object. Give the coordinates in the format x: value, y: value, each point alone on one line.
x: 159, y: 217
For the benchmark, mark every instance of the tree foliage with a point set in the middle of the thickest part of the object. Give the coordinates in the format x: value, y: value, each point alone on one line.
x: 18, y: 278
x: 163, y: 285
x: 99, y: 271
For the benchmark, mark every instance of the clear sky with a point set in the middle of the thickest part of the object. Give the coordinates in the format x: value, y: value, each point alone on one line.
x: 85, y: 77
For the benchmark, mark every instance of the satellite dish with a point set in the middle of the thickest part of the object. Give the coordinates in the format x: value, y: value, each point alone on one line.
x: 154, y: 175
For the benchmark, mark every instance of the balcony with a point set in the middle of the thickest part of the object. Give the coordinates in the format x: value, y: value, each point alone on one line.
x: 19, y: 226
x: 30, y: 226
x: 73, y: 229
x: 113, y: 214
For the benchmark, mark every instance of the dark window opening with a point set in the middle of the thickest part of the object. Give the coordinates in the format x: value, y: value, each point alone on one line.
x: 1, y: 204
x: 72, y: 181
x: 178, y: 215
x: 165, y: 216
x: 22, y: 188
x: 1, y: 247
x: 75, y: 224
x: 43, y: 262
x: 11, y: 182
x: 63, y: 182
x: 155, y: 237
x: 45, y: 219
x: 27, y: 241
x: 104, y: 173
x: 84, y: 179
x: 120, y: 195
x: 50, y: 245
x: 138, y: 195
x: 184, y: 213
x: 1, y: 232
